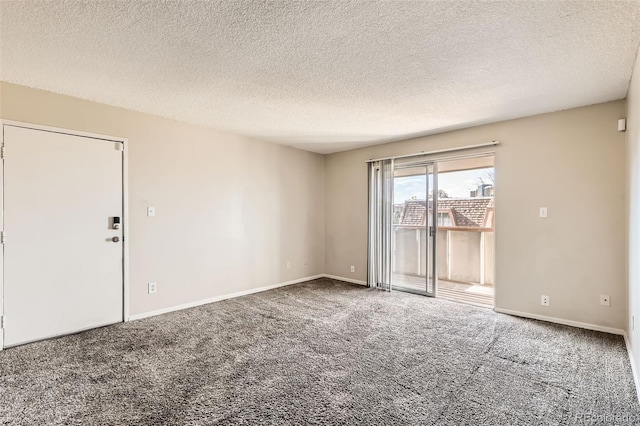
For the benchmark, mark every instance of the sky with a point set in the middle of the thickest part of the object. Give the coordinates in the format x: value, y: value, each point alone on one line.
x: 455, y: 184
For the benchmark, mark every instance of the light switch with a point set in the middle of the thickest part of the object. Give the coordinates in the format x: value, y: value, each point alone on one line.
x: 543, y: 212
x: 151, y: 211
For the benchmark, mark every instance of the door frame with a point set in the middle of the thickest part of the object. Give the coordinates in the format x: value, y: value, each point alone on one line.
x: 434, y: 159
x: 125, y: 208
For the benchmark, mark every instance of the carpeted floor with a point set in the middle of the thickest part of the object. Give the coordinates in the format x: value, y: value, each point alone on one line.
x: 322, y: 352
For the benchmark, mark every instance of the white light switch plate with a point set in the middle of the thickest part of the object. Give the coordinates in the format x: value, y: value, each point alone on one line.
x: 151, y: 211
x: 543, y: 212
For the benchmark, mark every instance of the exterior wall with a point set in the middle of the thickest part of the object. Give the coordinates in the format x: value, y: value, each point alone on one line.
x: 442, y: 254
x: 571, y: 162
x: 231, y: 211
x: 464, y: 255
x: 489, y: 257
x: 407, y: 259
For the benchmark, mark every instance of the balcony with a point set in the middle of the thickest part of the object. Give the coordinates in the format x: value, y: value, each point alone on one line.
x: 465, y: 262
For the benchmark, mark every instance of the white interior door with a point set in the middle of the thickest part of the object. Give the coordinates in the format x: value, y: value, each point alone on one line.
x: 63, y: 268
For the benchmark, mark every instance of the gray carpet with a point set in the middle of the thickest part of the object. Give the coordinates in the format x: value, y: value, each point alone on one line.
x: 322, y: 352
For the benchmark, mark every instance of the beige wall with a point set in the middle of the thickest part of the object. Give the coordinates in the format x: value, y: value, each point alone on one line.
x: 571, y: 162
x: 231, y: 211
x: 633, y: 212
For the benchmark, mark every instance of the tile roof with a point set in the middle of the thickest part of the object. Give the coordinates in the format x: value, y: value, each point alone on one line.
x: 414, y: 213
x: 466, y: 212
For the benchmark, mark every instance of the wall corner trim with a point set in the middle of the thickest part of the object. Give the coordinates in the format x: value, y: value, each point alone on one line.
x: 220, y: 298
x: 634, y: 371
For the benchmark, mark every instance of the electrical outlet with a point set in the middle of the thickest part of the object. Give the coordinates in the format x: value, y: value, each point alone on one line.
x: 544, y: 300
x: 289, y: 264
x: 353, y: 268
x: 604, y: 300
x: 153, y: 287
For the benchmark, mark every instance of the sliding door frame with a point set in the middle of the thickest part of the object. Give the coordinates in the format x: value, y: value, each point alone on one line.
x: 431, y: 170
x: 375, y: 247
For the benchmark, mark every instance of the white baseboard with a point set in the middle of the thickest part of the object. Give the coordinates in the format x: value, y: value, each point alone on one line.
x: 349, y: 280
x: 219, y: 298
x: 634, y: 371
x: 555, y: 320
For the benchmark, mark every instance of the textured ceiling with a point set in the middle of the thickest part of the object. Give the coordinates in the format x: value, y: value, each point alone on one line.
x: 325, y: 75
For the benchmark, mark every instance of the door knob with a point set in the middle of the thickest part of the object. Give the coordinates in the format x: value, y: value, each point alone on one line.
x: 115, y: 239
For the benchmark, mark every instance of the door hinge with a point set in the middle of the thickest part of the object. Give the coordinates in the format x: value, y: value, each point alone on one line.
x: 3, y: 322
x: 1, y: 237
x: 2, y: 152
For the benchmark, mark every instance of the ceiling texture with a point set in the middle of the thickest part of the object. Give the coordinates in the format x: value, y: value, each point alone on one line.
x: 325, y: 76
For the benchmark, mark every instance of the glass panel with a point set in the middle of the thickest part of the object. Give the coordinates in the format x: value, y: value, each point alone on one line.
x: 410, y: 218
x: 443, y: 229
x: 465, y: 246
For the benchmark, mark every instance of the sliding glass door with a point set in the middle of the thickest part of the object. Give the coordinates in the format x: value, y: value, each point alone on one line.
x: 431, y: 227
x: 413, y: 234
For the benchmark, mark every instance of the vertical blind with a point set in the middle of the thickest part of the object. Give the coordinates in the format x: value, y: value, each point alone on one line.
x: 380, y: 239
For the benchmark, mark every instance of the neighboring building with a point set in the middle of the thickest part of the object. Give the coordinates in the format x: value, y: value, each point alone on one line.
x: 452, y: 213
x: 483, y: 190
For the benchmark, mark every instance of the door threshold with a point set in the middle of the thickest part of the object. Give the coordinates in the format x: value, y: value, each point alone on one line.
x: 412, y: 290
x: 450, y: 299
